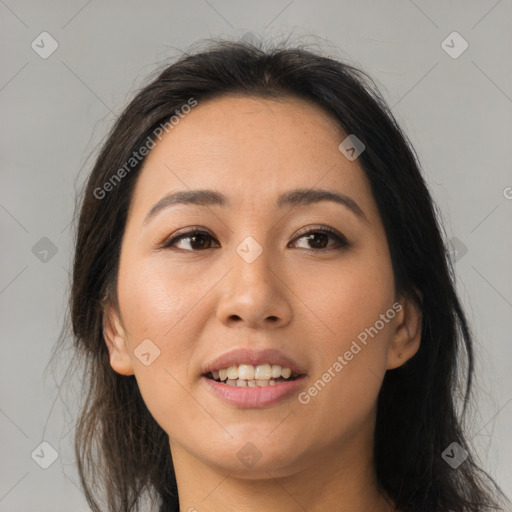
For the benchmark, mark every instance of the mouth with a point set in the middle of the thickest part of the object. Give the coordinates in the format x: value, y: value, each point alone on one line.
x: 249, y: 375
x: 248, y: 378
x: 253, y: 393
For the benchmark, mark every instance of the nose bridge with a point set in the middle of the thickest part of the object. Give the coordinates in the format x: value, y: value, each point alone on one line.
x: 252, y: 293
x: 252, y: 265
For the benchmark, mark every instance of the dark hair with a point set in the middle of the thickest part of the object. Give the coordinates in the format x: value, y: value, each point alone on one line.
x: 416, y: 416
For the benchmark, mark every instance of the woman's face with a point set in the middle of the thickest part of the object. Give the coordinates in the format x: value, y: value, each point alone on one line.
x: 263, y: 275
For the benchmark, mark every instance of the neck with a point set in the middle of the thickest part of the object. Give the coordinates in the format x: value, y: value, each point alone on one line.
x: 340, y: 479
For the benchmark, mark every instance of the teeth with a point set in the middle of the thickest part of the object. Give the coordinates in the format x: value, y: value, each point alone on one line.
x: 248, y: 372
x: 247, y: 375
x: 263, y: 372
x: 233, y: 372
x: 276, y: 371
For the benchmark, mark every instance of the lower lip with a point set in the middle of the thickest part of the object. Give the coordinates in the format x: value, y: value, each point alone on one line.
x: 258, y: 396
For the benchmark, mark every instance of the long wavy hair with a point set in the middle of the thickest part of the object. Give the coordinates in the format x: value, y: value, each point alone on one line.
x: 122, y: 453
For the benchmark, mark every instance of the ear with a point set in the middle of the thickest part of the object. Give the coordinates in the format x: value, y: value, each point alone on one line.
x: 407, y: 336
x: 115, y: 337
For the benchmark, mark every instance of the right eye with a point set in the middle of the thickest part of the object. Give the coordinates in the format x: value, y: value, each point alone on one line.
x: 196, y: 237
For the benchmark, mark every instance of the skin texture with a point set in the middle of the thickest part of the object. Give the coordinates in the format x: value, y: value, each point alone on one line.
x: 196, y: 303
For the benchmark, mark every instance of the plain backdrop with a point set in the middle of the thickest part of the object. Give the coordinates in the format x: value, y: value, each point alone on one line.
x: 56, y: 107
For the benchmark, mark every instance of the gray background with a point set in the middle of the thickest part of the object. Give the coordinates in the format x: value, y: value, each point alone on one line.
x: 457, y: 112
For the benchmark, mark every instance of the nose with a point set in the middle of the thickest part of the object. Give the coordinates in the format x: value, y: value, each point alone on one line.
x: 254, y: 295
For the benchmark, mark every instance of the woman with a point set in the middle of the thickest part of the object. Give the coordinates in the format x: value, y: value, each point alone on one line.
x: 263, y: 302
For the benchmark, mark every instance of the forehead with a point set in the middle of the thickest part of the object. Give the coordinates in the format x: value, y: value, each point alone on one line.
x: 251, y: 149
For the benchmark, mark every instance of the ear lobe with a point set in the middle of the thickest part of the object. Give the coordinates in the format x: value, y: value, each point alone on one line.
x: 115, y: 338
x: 407, y: 336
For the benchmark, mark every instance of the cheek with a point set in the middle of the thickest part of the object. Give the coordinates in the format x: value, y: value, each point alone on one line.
x: 158, y: 304
x: 344, y: 386
x: 352, y: 339
x: 345, y: 298
x: 155, y: 299
x: 163, y: 303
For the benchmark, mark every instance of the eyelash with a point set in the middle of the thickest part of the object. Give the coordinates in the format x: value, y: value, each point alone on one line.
x: 326, y: 230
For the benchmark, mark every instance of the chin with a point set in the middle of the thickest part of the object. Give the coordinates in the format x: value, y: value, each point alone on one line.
x: 275, y: 465
x: 254, y: 456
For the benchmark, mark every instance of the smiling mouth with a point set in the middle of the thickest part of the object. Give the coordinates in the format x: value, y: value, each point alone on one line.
x: 247, y: 375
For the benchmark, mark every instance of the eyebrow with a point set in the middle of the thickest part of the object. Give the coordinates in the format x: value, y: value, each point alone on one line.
x: 296, y: 197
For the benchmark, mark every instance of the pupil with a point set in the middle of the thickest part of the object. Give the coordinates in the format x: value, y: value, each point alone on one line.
x: 194, y: 240
x: 314, y: 239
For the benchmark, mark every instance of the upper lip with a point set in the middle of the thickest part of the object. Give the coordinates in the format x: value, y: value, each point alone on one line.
x: 255, y: 357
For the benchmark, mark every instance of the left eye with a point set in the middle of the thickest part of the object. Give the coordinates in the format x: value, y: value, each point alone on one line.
x: 319, y: 238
